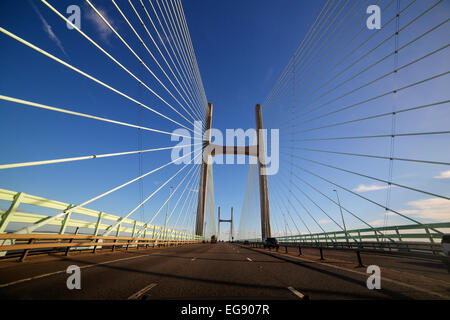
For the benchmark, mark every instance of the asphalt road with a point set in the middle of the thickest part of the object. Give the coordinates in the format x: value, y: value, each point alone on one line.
x: 220, y: 271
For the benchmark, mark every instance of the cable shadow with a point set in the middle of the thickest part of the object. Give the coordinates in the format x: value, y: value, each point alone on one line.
x: 393, y: 294
x: 351, y: 295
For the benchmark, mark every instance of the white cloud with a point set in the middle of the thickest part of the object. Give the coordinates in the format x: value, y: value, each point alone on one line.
x: 367, y: 188
x: 443, y: 175
x: 377, y: 223
x: 101, y: 27
x: 432, y: 208
x: 48, y: 29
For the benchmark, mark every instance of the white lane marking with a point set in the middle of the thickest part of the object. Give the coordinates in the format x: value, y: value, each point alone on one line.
x: 297, y: 293
x: 365, y: 275
x: 141, y: 292
x: 249, y: 259
x: 3, y: 285
x: 193, y: 259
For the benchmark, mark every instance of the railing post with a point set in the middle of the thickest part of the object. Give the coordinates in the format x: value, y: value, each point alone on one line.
x: 358, y: 255
x: 321, y: 253
x: 285, y: 249
x: 299, y: 250
x: 25, y: 252
x: 95, y: 247
x: 71, y: 240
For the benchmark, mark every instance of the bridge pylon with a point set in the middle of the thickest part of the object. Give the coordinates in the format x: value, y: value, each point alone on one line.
x: 226, y: 220
x: 257, y: 150
x: 200, y: 220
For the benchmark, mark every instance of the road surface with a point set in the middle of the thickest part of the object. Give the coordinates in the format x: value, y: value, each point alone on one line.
x: 222, y: 271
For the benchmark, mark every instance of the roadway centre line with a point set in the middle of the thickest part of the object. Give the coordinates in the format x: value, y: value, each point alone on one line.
x: 249, y: 259
x: 365, y: 275
x: 141, y: 292
x: 297, y: 293
x: 3, y: 285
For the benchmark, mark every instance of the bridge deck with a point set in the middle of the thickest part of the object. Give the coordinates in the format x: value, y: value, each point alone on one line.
x: 222, y: 271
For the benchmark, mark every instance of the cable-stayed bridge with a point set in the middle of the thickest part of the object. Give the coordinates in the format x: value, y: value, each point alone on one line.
x: 348, y: 160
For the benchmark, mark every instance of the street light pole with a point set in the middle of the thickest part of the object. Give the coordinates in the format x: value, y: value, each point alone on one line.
x: 342, y: 215
x: 167, y: 211
x: 285, y: 225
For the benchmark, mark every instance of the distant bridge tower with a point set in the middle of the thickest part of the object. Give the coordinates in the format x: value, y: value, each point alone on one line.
x: 227, y: 221
x: 257, y: 150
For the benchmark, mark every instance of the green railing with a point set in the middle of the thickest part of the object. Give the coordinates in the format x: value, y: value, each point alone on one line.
x: 413, y: 233
x: 86, y: 221
x: 424, y: 237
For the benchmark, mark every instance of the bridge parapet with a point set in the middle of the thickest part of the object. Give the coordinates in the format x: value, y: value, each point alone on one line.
x: 89, y: 223
x: 419, y: 238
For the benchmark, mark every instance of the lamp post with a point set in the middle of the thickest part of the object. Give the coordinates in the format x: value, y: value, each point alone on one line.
x: 342, y: 215
x: 167, y: 211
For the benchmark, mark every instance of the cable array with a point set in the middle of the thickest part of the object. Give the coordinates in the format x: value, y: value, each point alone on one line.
x: 155, y: 36
x: 359, y: 113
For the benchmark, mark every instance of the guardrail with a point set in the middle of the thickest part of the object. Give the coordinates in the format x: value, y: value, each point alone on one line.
x: 23, y: 244
x: 423, y: 232
x: 403, y: 238
x: 88, y: 222
x: 419, y: 247
x: 414, y: 249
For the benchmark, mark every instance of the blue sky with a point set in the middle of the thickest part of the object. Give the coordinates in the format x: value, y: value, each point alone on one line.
x: 340, y: 93
x: 241, y: 47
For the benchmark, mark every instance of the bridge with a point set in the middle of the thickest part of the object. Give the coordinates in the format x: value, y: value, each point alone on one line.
x: 347, y: 158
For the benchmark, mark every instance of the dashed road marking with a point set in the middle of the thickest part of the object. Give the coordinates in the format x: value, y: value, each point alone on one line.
x: 413, y: 287
x: 141, y: 292
x: 3, y: 285
x: 193, y: 259
x: 249, y: 259
x: 297, y: 293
